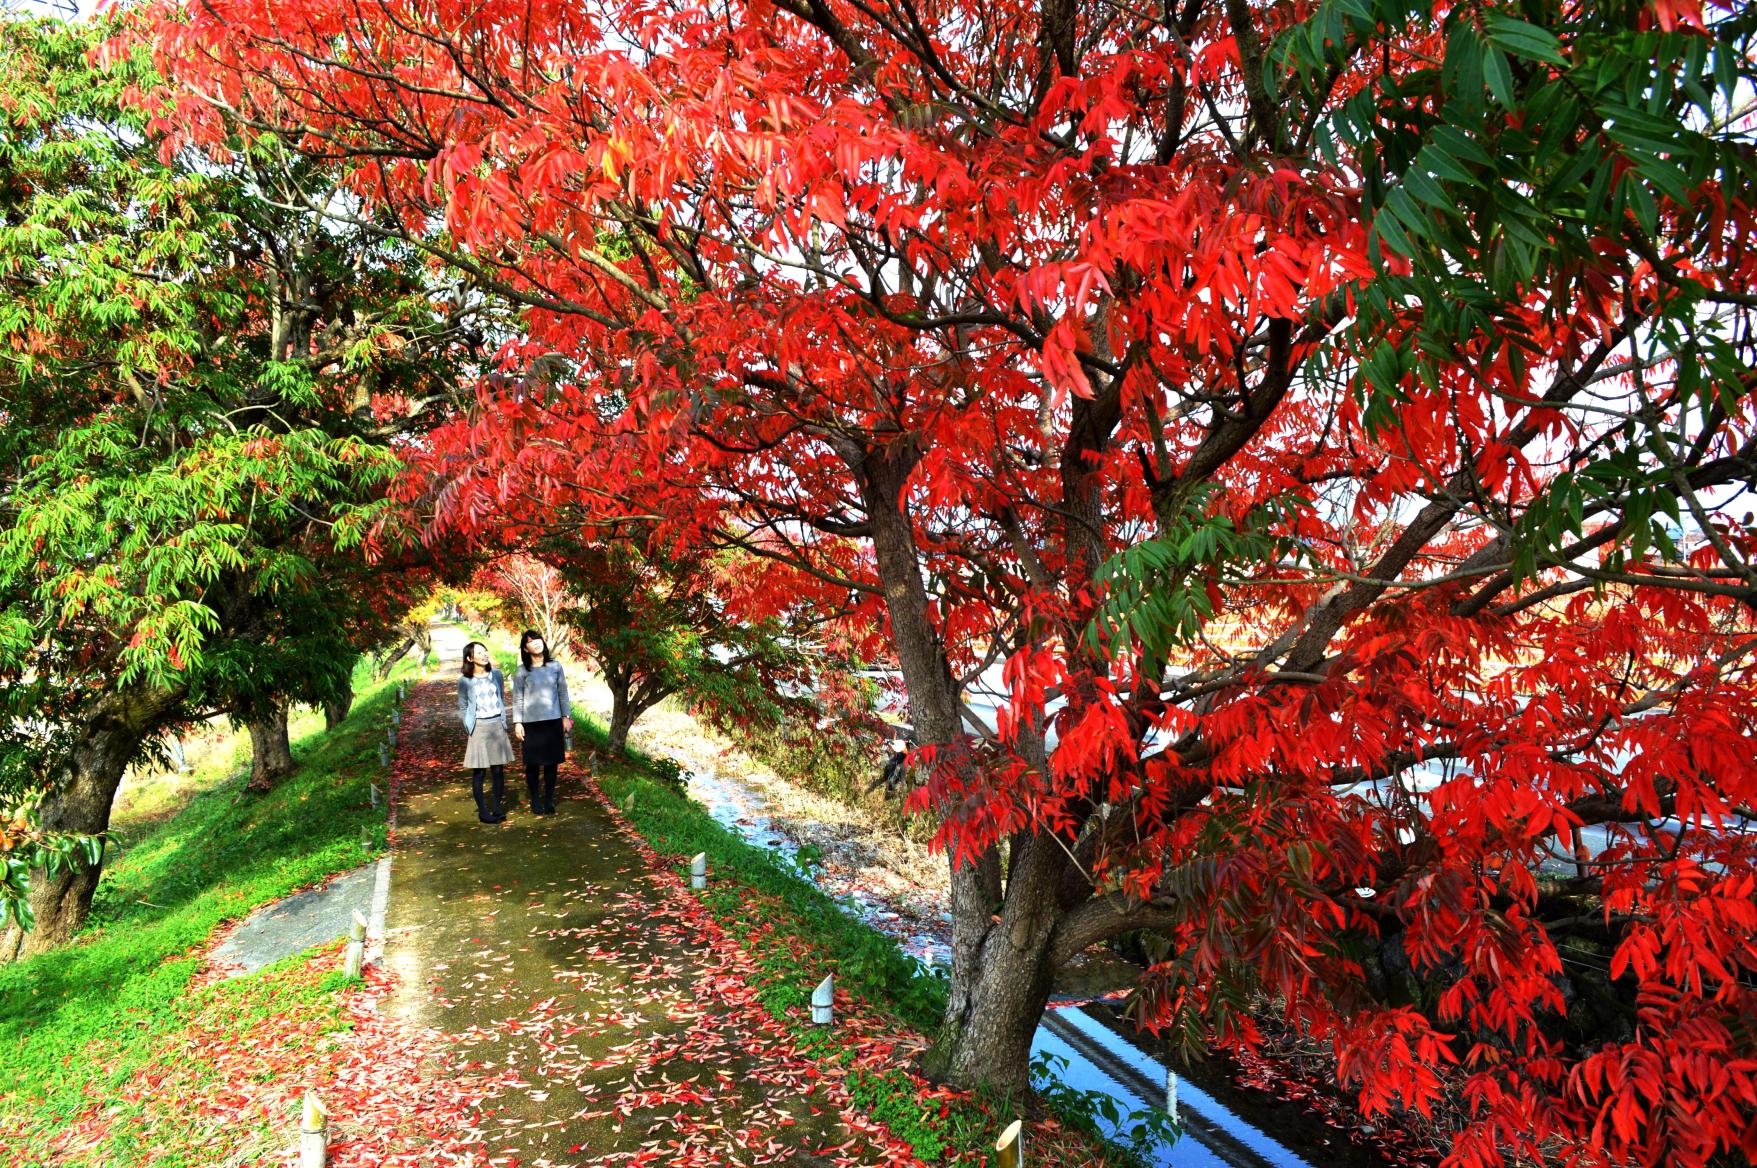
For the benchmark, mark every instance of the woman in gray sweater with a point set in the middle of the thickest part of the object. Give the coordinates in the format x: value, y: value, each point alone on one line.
x: 542, y: 719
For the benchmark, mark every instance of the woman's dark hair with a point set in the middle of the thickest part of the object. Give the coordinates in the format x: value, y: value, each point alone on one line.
x: 469, y: 653
x: 525, y: 639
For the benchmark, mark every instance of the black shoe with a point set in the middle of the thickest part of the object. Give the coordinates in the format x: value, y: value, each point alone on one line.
x: 484, y: 817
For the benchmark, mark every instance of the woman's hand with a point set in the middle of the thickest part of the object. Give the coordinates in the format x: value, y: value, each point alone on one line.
x: 518, y: 731
x: 567, y: 723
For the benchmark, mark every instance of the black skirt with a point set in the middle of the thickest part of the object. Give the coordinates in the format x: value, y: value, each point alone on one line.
x: 545, y: 743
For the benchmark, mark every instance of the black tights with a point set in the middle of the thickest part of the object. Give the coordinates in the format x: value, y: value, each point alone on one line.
x: 548, y: 800
x: 476, y: 777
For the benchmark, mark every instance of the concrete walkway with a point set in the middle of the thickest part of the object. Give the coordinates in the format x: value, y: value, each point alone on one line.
x: 316, y: 916
x: 608, y: 1013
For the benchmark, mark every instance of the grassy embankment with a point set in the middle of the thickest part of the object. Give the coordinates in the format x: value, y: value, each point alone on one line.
x: 77, y: 1026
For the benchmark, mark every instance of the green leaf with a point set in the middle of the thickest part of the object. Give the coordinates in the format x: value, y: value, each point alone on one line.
x: 1522, y: 39
x: 1422, y: 185
x: 1387, y: 229
x: 1462, y: 72
x: 1453, y: 141
x: 1499, y: 77
x: 1434, y: 160
x: 1414, y: 221
x: 1640, y: 202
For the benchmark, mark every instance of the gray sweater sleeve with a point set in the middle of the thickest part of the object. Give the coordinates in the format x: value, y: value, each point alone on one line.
x: 561, y: 685
x: 519, y: 685
x: 464, y: 702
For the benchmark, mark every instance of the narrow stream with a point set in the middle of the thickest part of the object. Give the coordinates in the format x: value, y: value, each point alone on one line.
x: 1222, y: 1125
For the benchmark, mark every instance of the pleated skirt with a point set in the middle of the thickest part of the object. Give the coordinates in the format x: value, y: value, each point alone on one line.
x: 488, y: 744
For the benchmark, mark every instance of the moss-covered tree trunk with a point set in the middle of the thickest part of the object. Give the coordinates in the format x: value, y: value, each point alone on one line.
x: 79, y: 801
x: 271, y: 750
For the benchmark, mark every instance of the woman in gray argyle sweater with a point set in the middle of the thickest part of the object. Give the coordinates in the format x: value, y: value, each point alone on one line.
x: 482, y: 710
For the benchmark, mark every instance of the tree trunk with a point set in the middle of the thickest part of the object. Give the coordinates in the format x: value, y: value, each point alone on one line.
x: 1001, y: 973
x: 79, y: 802
x: 391, y: 656
x: 271, y: 752
x: 61, y: 902
x: 1000, y: 987
x: 1005, y: 949
x: 631, y: 695
x: 1006, y: 941
x: 622, y: 709
x: 995, y: 1006
x: 336, y: 709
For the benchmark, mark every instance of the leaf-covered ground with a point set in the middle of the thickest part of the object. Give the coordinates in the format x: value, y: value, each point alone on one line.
x: 619, y: 1022
x: 627, y: 1020
x: 225, y: 1085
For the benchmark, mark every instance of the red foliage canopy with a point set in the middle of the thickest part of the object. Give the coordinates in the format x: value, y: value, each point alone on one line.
x: 1320, y: 425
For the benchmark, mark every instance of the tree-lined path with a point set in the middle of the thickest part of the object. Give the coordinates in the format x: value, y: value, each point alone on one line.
x: 613, y: 1017
x: 1286, y: 466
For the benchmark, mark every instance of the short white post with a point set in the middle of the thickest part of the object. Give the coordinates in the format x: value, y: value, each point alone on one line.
x: 373, y: 796
x: 391, y: 735
x: 1171, y: 1095
x: 383, y: 755
x: 823, y: 1001
x: 698, y: 871
x: 1009, y: 1150
x: 313, y: 1133
x: 396, y: 717
x: 356, y: 946
x: 628, y: 803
